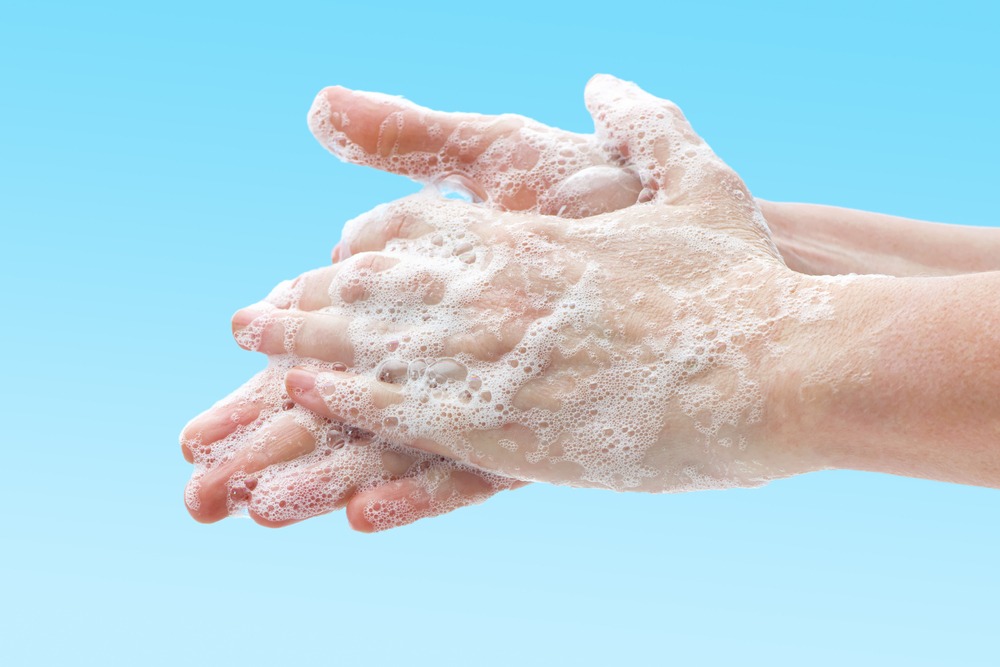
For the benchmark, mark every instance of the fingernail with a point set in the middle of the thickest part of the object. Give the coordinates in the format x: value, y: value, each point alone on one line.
x: 301, y: 379
x: 243, y: 318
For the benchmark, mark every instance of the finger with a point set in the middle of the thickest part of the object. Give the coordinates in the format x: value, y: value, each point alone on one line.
x: 436, y: 490
x: 402, y: 219
x: 300, y: 492
x: 396, y: 135
x: 381, y: 407
x: 317, y: 335
x: 311, y: 389
x: 296, y: 493
x: 216, y: 423
x: 232, y: 481
x: 314, y: 288
x: 508, y: 161
x: 311, y: 290
x: 284, y: 295
x: 457, y: 226
x: 652, y: 135
x: 487, y: 342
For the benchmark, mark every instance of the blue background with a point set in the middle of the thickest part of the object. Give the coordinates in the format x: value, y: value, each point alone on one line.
x: 156, y: 174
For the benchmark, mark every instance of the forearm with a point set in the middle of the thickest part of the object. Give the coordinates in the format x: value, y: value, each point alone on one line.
x: 910, y: 383
x: 827, y: 240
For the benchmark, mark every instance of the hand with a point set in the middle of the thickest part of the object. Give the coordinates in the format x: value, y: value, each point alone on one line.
x: 251, y: 453
x: 515, y: 163
x: 256, y: 451
x: 628, y: 350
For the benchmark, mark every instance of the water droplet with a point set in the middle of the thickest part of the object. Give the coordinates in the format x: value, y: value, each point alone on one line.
x: 356, y: 433
x: 392, y: 370
x: 417, y: 368
x: 446, y: 370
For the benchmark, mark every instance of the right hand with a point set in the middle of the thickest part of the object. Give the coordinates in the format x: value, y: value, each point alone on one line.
x: 510, y: 163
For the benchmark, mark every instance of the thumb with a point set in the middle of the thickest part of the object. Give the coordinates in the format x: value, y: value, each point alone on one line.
x: 653, y: 136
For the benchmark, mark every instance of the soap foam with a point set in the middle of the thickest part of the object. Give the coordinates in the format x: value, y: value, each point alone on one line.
x: 612, y: 418
x: 345, y: 460
x: 505, y: 162
x: 602, y: 426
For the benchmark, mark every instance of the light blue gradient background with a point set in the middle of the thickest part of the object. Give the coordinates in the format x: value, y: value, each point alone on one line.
x: 156, y: 174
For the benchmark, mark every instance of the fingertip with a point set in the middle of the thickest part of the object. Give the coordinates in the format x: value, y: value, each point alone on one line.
x: 193, y: 429
x: 604, y: 91
x: 300, y: 383
x: 333, y: 101
x: 216, y: 423
x: 327, y: 99
x: 346, y: 121
x: 206, y: 511
x: 600, y: 79
x: 261, y: 520
x: 244, y: 317
x: 328, y: 120
x: 356, y: 518
x: 598, y: 84
x: 335, y: 95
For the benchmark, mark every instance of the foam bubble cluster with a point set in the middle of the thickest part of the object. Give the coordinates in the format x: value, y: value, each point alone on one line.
x: 531, y: 344
x: 287, y: 464
x: 506, y: 162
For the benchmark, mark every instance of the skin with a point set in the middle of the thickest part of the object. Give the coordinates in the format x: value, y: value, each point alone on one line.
x: 920, y: 397
x: 828, y: 240
x: 474, y: 169
x: 850, y: 392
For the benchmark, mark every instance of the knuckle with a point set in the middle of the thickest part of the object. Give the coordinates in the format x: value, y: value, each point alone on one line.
x: 404, y: 226
x: 366, y: 263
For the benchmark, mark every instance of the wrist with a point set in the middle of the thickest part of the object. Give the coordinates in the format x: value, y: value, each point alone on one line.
x: 819, y: 384
x: 902, y: 379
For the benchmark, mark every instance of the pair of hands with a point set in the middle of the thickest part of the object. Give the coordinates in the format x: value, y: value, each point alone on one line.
x: 611, y: 313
